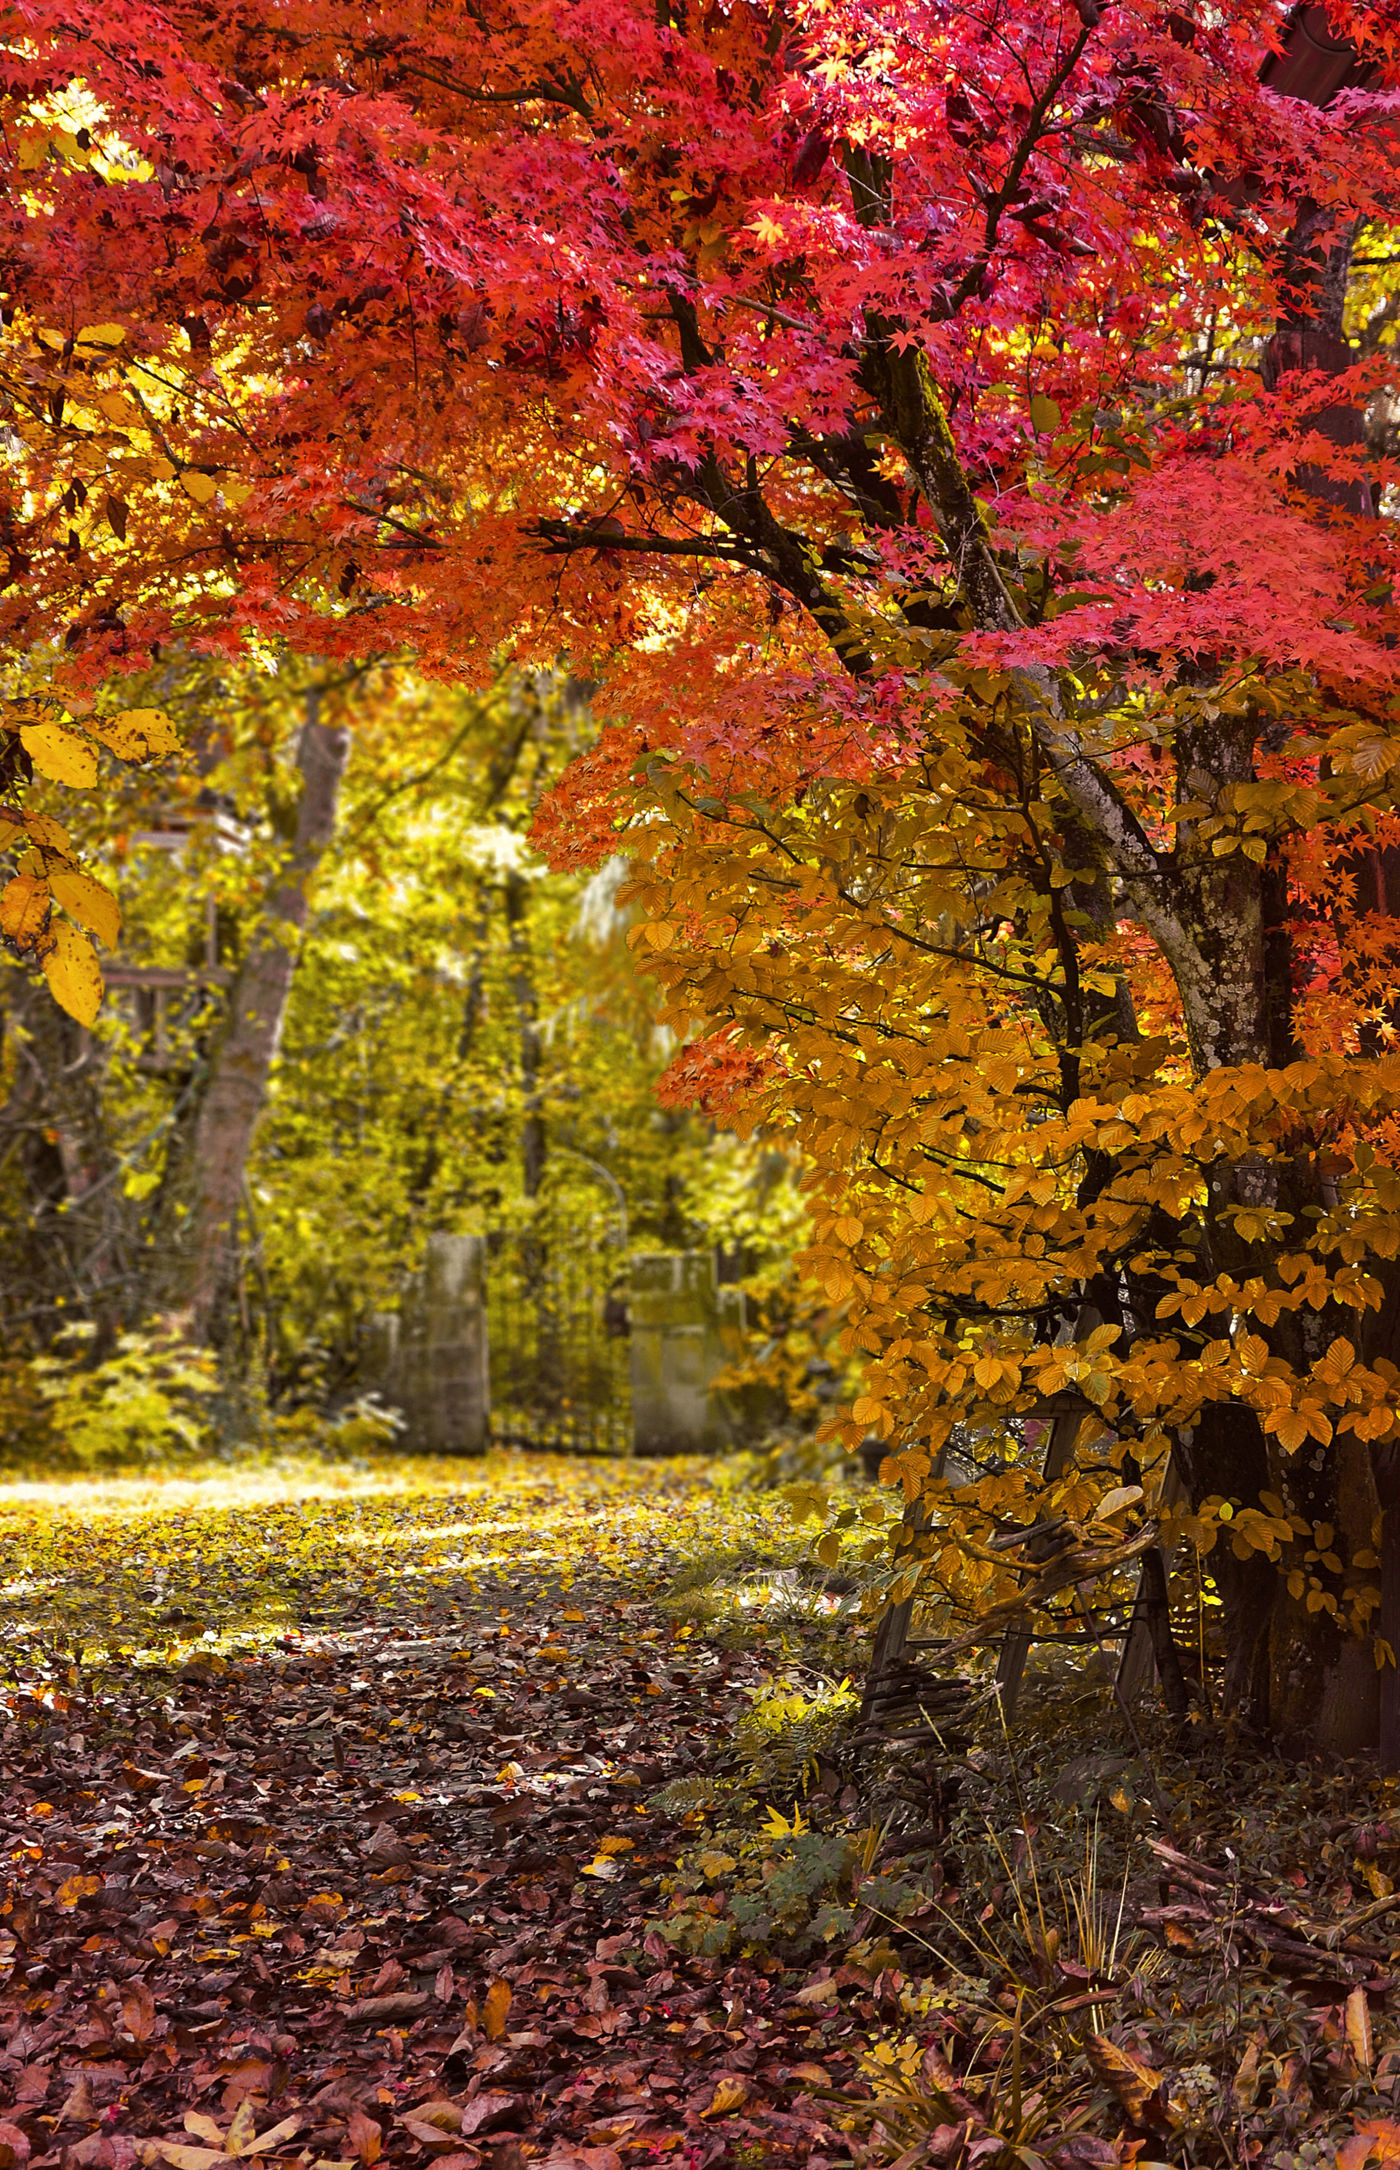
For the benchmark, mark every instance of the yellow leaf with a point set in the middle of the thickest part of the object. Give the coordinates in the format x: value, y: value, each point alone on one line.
x: 137, y: 734
x: 276, y: 2135
x: 199, y: 486
x: 611, y: 1845
x: 101, y: 335
x: 204, y: 2128
x: 74, y: 974
x: 497, y: 2010
x: 730, y: 2094
x: 24, y: 910
x: 658, y: 935
x: 50, y: 834
x: 60, y: 754
x: 243, y: 2129
x: 92, y: 905
x: 848, y: 1229
x: 1114, y: 1502
x: 33, y: 150
x: 1358, y: 2024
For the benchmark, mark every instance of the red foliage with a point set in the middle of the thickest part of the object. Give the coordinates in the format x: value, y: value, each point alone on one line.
x: 551, y: 332
x: 721, y: 1077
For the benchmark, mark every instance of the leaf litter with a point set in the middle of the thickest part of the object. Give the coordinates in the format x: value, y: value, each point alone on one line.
x: 330, y: 1828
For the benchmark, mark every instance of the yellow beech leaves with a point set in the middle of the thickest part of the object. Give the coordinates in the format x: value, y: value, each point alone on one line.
x: 60, y: 754
x: 52, y: 907
x: 73, y: 973
x: 136, y: 734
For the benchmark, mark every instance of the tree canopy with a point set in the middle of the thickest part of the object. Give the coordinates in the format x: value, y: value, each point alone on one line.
x: 954, y: 441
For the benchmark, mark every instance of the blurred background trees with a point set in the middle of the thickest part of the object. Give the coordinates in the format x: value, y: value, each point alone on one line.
x: 448, y: 1023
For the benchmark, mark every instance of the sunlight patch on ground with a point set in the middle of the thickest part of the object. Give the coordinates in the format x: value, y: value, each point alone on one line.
x: 219, y: 1561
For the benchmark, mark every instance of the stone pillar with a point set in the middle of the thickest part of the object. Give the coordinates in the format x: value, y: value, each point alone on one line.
x: 678, y: 1344
x: 450, y: 1397
x: 379, y: 1356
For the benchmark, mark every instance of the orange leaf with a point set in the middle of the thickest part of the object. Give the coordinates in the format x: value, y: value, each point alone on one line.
x: 1137, y: 2086
x: 74, y: 1888
x: 139, y: 2010
x: 24, y: 910
x: 497, y: 2010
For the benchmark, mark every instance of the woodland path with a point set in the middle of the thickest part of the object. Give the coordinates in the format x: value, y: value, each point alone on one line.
x: 324, y: 1800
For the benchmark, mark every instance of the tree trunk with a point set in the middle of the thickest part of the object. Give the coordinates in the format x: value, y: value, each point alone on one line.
x: 68, y: 1242
x: 522, y: 985
x: 203, y: 1265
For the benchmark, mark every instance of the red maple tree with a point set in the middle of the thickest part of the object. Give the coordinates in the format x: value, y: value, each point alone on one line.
x: 821, y: 378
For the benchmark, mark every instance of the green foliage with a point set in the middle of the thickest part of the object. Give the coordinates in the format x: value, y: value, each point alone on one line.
x: 758, y: 1876
x: 744, y: 1889
x: 786, y: 1729
x: 145, y: 1405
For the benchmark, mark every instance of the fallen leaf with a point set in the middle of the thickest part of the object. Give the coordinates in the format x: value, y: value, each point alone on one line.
x: 74, y: 1888
x: 286, y: 2129
x: 364, y: 2136
x: 497, y: 2010
x: 79, y: 2108
x: 1358, y: 2025
x: 485, y: 2112
x: 731, y: 2093
x: 404, y: 2004
x: 139, y: 2010
x: 1139, y: 2088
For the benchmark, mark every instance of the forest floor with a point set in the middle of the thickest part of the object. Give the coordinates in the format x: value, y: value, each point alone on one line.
x: 325, y: 1803
x: 505, y: 1816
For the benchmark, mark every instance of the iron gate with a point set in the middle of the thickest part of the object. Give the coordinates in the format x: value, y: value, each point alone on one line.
x: 556, y: 1310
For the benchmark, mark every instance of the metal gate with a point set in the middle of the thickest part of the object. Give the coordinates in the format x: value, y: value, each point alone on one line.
x: 556, y: 1310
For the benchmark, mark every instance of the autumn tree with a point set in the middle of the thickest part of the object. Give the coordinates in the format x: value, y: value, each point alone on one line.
x: 912, y: 415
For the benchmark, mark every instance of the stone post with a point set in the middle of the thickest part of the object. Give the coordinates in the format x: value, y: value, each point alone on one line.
x: 379, y: 1356
x: 679, y: 1329
x: 451, y: 1401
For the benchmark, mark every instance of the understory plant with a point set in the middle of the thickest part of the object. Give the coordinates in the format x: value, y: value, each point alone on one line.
x: 147, y: 1404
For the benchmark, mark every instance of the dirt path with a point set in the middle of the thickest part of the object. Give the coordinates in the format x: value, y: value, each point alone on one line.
x: 360, y: 1867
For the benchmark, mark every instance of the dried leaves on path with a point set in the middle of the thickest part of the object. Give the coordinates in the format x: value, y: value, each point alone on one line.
x: 327, y: 1836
